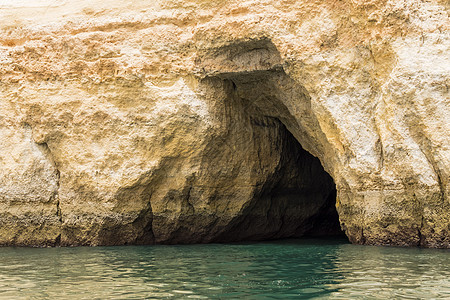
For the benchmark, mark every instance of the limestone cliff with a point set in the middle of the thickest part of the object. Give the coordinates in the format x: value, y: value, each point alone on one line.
x: 183, y: 121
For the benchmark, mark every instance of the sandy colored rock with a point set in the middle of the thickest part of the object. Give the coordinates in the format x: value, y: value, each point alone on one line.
x: 185, y: 121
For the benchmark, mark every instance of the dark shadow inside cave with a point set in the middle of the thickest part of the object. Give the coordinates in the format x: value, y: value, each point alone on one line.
x: 297, y: 199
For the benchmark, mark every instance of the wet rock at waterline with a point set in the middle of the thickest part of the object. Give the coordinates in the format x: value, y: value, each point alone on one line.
x: 192, y: 121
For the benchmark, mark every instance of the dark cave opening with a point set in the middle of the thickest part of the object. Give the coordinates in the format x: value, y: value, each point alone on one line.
x: 310, y: 192
x: 277, y: 189
x: 296, y: 201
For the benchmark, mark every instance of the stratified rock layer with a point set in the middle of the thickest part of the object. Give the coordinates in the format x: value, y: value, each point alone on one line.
x: 185, y: 121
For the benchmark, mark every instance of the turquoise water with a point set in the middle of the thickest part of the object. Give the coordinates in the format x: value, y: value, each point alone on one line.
x: 294, y: 269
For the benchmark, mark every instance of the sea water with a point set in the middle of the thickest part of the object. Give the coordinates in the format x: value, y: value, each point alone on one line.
x: 289, y: 269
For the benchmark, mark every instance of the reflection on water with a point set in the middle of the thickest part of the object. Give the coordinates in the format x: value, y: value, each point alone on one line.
x: 276, y: 270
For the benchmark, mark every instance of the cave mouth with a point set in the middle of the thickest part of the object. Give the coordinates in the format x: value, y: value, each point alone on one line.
x: 267, y: 115
x: 307, y: 186
x: 297, y: 200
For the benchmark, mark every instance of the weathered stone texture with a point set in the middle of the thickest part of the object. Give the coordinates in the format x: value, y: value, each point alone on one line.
x: 179, y: 121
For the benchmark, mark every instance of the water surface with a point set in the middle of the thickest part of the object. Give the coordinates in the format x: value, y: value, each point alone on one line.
x: 292, y: 269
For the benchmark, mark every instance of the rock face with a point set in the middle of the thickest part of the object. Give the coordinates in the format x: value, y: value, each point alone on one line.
x: 209, y: 121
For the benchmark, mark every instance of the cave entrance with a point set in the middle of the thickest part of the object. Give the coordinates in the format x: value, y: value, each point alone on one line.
x: 297, y: 198
x: 303, y: 191
x: 267, y: 114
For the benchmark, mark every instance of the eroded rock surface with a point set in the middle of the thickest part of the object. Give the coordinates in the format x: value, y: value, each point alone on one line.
x: 185, y: 121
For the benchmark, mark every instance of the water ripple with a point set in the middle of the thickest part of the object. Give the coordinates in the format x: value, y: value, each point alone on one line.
x: 276, y: 270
